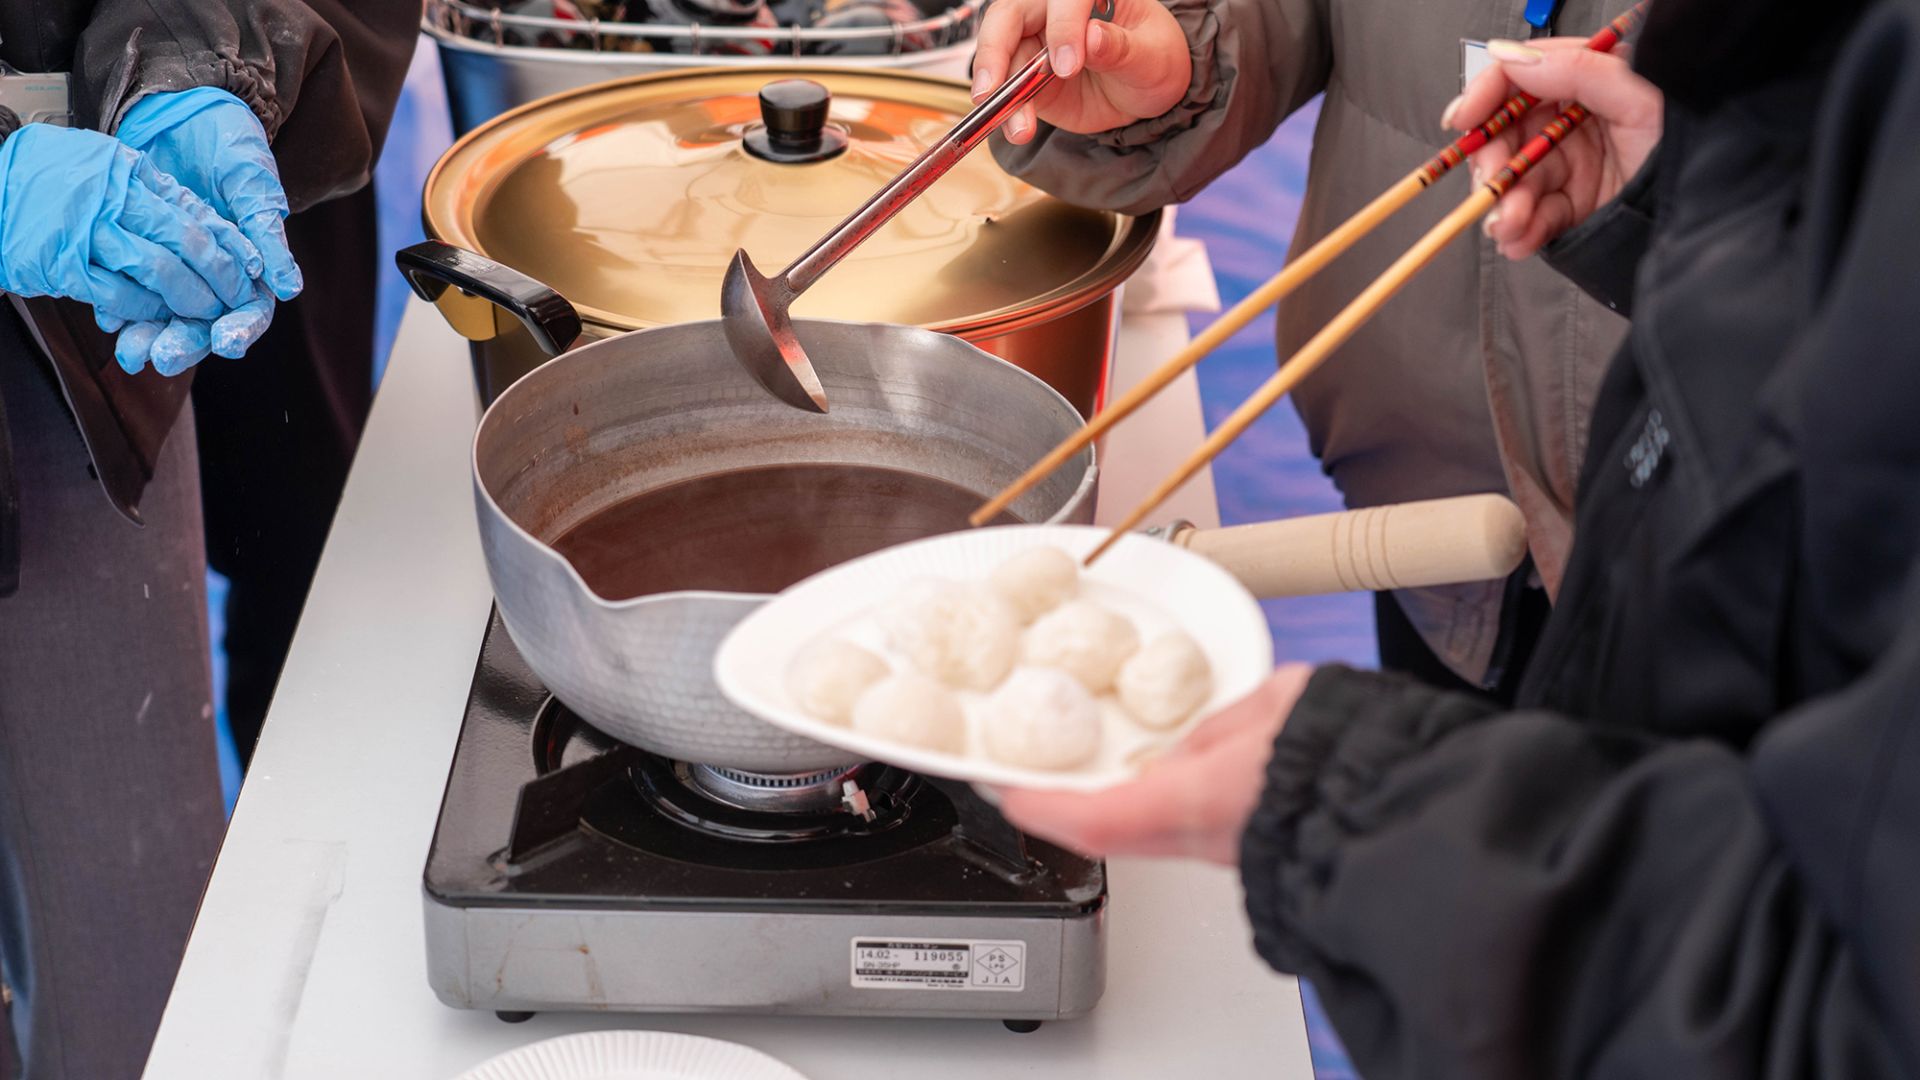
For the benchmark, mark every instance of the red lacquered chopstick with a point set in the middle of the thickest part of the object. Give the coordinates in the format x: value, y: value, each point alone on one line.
x: 1520, y: 104
x: 1342, y: 326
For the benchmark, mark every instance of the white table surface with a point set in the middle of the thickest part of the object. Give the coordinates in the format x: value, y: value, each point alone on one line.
x: 307, y: 960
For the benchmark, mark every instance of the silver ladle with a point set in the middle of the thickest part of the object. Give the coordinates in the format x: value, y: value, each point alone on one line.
x: 754, y: 307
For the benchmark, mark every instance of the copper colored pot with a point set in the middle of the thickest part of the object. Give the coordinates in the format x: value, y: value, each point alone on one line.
x: 628, y: 198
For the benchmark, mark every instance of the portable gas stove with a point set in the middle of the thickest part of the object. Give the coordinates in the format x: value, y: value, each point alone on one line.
x: 570, y: 871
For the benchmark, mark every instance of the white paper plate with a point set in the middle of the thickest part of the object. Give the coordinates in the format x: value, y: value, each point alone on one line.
x: 1156, y: 584
x: 632, y: 1055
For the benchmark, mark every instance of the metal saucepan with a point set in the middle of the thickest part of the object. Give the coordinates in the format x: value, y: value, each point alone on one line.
x: 650, y: 408
x: 633, y: 413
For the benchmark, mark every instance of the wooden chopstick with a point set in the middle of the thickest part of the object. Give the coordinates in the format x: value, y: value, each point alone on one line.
x: 1304, y: 266
x: 1227, y: 325
x: 1316, y: 351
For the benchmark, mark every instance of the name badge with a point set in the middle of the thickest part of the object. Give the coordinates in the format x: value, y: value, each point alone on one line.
x: 1473, y: 60
x: 37, y: 99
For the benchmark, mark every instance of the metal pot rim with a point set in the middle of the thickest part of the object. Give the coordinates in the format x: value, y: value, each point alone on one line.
x: 1132, y: 242
x: 546, y: 551
x: 1130, y: 249
x: 680, y: 64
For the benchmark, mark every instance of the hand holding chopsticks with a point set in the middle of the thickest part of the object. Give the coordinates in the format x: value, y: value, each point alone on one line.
x: 1592, y: 166
x: 1302, y: 267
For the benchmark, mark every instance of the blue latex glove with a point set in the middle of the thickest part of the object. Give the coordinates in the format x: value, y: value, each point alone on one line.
x: 84, y: 216
x: 178, y: 344
x: 212, y: 143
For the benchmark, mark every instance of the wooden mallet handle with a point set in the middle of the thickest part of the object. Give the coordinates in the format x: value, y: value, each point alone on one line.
x: 1400, y: 546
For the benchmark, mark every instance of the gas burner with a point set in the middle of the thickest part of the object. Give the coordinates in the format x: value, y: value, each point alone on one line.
x: 562, y: 739
x: 571, y: 870
x: 774, y: 792
x: 838, y: 815
x: 574, y: 761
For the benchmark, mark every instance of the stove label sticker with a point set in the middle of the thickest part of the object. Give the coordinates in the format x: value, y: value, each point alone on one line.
x: 939, y: 965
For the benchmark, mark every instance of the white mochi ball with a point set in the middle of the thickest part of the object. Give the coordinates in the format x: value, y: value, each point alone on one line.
x: 1083, y: 639
x: 912, y: 709
x: 828, y: 676
x: 1036, y: 581
x: 962, y: 635
x: 1165, y: 682
x: 1041, y: 718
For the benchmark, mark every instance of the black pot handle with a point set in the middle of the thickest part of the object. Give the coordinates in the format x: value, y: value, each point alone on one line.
x: 431, y: 266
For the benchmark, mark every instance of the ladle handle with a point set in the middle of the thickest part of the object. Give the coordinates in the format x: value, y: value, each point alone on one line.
x: 929, y: 167
x: 430, y: 267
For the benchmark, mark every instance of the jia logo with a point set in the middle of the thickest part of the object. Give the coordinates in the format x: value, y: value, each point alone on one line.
x: 999, y: 966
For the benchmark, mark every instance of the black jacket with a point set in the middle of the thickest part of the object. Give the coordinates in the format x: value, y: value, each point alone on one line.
x: 323, y: 77
x: 1696, y: 851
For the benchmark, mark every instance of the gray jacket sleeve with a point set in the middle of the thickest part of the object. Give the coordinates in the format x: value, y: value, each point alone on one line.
x: 1513, y: 896
x: 323, y: 76
x: 1254, y: 63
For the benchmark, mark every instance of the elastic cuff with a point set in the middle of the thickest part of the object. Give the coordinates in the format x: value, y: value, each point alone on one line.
x: 1206, y: 90
x: 147, y: 117
x: 139, y: 74
x: 1347, y: 731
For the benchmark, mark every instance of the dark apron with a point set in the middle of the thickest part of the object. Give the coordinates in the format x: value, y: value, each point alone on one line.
x: 123, y: 419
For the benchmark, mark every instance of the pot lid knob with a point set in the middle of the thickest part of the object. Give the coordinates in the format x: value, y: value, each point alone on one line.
x: 793, y: 124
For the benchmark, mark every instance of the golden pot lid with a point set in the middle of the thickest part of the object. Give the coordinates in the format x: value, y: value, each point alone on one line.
x: 630, y: 198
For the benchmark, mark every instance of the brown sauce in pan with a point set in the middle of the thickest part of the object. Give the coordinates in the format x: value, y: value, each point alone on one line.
x: 759, y: 530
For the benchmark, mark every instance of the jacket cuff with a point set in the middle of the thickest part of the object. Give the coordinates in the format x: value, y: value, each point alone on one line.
x: 1347, y: 732
x: 1602, y: 254
x: 164, y: 67
x: 1206, y: 90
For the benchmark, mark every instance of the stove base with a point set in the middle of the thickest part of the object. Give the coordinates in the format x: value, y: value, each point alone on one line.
x: 516, y: 960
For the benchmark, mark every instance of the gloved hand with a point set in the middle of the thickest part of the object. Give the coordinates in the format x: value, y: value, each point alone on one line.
x: 213, y: 144
x: 178, y: 344
x: 84, y: 216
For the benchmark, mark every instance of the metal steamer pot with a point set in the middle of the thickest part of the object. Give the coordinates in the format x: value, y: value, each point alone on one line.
x: 629, y: 198
x: 493, y: 61
x: 633, y: 413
